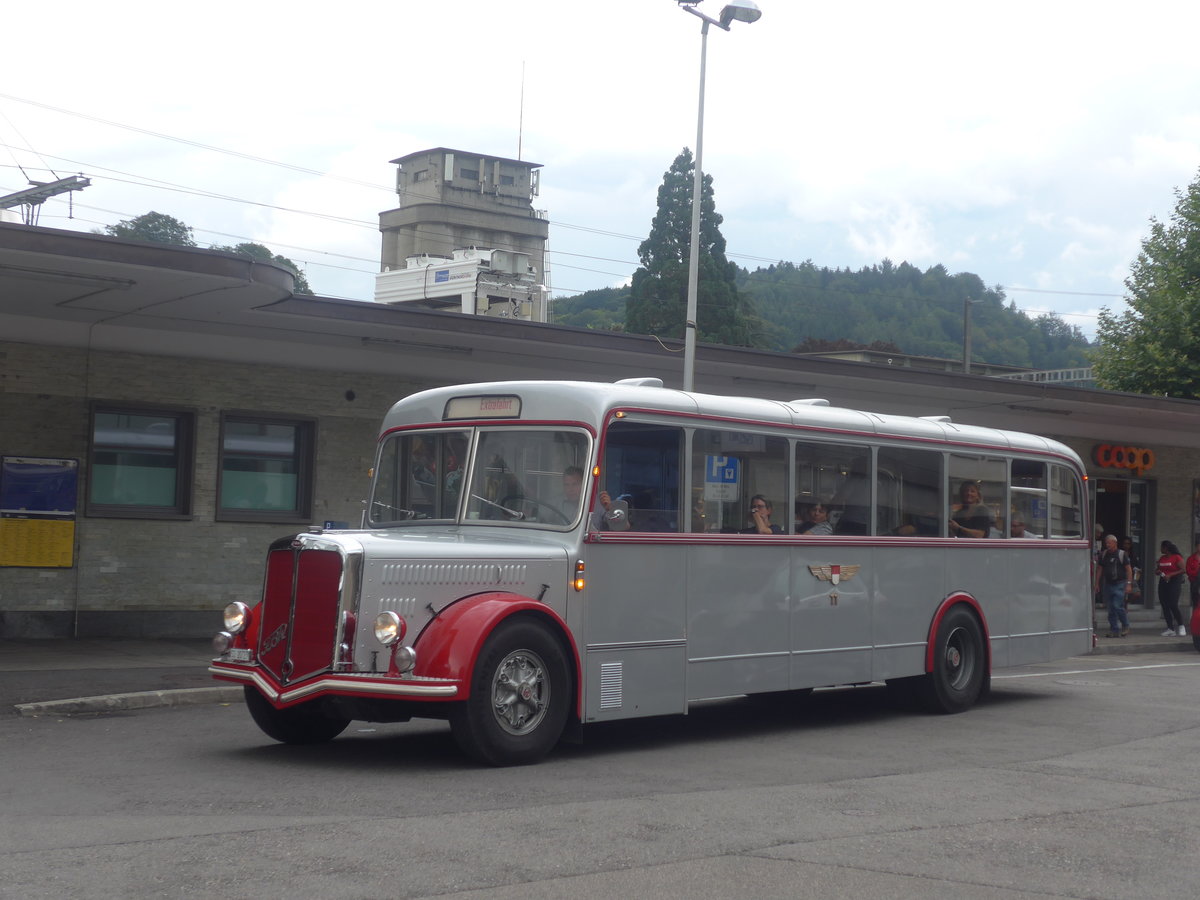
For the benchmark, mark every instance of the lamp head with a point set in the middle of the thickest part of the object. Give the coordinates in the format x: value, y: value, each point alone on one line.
x: 740, y: 11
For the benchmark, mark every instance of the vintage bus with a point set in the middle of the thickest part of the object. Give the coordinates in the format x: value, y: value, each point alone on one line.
x: 539, y: 555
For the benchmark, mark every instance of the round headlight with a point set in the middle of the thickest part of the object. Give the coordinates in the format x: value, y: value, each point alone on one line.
x: 389, y: 628
x: 222, y: 641
x: 406, y: 659
x: 237, y: 615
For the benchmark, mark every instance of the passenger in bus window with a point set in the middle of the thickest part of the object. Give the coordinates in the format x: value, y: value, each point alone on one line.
x: 1017, y: 527
x: 920, y: 524
x: 699, y: 517
x: 816, y: 520
x: 970, y: 517
x: 613, y: 515
x: 760, y: 517
x: 572, y: 487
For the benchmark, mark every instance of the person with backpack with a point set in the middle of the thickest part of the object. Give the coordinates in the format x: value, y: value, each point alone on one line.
x: 1170, y: 571
x: 1114, y: 576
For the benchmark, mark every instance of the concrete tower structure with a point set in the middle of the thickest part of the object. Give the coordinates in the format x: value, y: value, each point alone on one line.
x: 465, y: 236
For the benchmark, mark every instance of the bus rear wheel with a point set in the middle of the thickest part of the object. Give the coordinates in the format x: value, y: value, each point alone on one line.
x: 306, y: 723
x: 959, y: 665
x: 520, y: 697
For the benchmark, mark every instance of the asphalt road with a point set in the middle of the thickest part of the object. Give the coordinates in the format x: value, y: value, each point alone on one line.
x: 1073, y: 780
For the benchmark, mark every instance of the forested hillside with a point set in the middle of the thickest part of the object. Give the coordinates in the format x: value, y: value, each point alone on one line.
x: 919, y: 312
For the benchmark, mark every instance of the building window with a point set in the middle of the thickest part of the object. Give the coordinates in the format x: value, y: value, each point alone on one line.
x: 265, y: 468
x: 420, y: 175
x: 507, y: 180
x: 140, y: 463
x: 469, y: 174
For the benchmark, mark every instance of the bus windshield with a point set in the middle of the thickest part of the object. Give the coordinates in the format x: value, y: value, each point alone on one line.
x: 528, y: 476
x: 521, y: 476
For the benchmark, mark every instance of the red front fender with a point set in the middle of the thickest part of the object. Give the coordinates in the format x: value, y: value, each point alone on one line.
x: 451, y: 643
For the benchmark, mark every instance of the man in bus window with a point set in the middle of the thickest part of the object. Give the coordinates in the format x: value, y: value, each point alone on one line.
x: 611, y: 515
x: 572, y: 488
x: 1018, y: 529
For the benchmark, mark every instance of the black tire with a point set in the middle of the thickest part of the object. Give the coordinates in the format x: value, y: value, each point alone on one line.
x: 959, y: 665
x: 1196, y: 642
x: 521, y: 693
x: 306, y: 723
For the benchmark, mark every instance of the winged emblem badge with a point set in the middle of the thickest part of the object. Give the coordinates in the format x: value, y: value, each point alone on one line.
x: 834, y: 574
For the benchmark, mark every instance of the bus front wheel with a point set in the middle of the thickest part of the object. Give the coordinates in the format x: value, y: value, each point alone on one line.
x: 520, y: 696
x: 305, y: 723
x: 959, y: 665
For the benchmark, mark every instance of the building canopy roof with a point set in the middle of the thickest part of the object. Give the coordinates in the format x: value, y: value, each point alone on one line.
x: 64, y: 288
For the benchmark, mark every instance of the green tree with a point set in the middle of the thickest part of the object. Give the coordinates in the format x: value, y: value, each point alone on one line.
x: 657, y: 301
x: 1153, y: 347
x: 261, y: 252
x: 153, y: 226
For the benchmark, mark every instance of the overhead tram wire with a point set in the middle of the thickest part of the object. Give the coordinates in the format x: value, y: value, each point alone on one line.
x: 345, y: 220
x: 391, y: 189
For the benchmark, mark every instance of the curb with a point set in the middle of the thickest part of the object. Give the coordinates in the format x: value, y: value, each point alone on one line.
x: 137, y: 700
x: 1124, y: 647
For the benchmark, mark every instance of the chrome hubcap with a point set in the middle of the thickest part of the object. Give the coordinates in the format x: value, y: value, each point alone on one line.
x: 520, y: 692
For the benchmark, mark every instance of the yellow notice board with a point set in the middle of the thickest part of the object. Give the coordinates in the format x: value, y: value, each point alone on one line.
x: 45, y: 543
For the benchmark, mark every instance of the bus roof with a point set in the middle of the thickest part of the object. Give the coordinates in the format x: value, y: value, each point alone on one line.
x: 591, y: 403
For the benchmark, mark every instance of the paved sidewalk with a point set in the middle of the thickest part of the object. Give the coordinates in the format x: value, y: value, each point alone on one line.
x: 71, y: 676
x: 1145, y: 633
x: 74, y: 676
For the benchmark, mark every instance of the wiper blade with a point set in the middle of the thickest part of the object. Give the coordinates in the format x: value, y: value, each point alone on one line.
x: 515, y: 513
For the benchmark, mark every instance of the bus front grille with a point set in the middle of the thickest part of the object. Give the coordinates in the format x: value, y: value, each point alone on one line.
x: 297, y: 635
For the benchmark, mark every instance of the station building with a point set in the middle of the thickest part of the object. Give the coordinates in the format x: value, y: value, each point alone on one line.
x: 166, y: 412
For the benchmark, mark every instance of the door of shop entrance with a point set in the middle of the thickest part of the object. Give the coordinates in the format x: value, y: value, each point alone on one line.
x: 1122, y: 507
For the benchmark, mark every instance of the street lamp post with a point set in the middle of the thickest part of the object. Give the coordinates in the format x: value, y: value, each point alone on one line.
x: 734, y: 11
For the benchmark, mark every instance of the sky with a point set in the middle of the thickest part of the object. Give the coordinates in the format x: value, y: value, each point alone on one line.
x: 1028, y: 142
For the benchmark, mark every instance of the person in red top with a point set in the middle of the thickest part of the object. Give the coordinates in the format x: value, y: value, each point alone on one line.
x: 1170, y: 571
x: 1193, y: 574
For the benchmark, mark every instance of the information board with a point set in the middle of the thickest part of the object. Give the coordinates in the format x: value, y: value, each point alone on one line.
x: 37, y: 511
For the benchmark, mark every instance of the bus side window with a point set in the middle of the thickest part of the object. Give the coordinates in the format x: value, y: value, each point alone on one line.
x: 1066, y: 504
x: 731, y: 467
x: 978, y: 492
x: 641, y: 467
x: 824, y: 488
x: 1028, y: 509
x: 909, y: 493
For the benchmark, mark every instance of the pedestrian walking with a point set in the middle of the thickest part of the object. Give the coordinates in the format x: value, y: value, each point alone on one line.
x: 1170, y: 570
x: 1114, y: 577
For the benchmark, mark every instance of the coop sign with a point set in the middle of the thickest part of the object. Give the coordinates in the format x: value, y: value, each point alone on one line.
x: 1113, y: 456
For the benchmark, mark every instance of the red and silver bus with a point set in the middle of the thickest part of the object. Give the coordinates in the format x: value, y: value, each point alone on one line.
x: 540, y: 555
